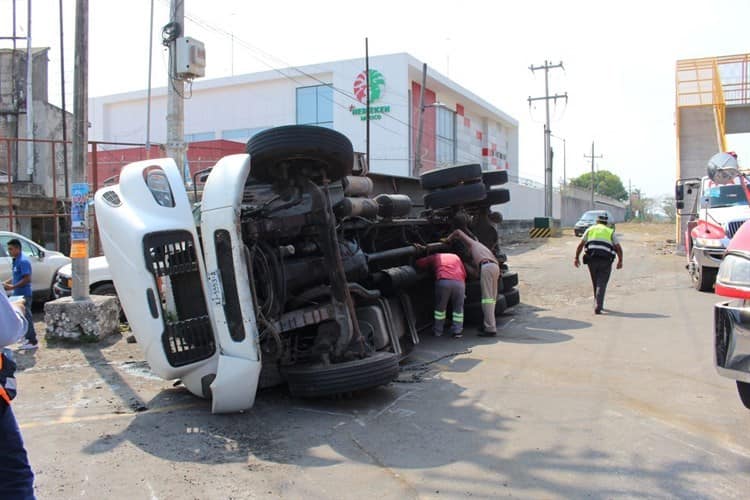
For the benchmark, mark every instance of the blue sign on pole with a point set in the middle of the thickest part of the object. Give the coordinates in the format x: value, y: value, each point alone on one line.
x: 78, y: 207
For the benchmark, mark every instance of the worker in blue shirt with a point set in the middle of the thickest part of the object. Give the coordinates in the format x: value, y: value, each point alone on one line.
x: 20, y: 284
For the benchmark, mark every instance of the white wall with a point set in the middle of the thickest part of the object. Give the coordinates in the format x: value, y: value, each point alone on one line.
x: 389, y: 136
x: 269, y: 99
x: 525, y: 203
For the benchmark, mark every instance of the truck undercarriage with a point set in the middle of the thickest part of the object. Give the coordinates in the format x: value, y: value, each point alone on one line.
x: 297, y: 268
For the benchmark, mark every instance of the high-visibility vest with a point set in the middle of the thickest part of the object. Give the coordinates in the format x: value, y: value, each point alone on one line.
x: 599, y: 242
x: 7, y: 378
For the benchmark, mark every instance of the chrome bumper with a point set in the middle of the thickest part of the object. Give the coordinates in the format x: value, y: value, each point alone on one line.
x: 732, y: 340
x: 709, y: 257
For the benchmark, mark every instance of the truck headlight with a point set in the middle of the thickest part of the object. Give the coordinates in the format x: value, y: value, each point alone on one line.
x: 734, y: 270
x: 709, y: 242
x: 158, y: 183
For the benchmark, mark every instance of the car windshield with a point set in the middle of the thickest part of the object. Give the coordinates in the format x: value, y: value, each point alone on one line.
x: 590, y: 216
x: 731, y: 195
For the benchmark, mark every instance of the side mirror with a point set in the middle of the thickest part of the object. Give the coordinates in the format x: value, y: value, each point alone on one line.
x: 679, y: 192
x: 680, y: 205
x: 41, y: 254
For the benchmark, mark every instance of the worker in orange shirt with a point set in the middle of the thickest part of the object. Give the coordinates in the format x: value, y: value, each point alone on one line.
x: 450, y: 286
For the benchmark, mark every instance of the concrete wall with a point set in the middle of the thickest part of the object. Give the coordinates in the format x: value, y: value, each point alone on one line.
x: 698, y: 142
x: 738, y: 119
x: 525, y: 203
x: 47, y: 126
x: 576, y: 201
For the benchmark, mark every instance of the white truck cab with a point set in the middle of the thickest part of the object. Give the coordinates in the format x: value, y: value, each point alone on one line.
x: 719, y: 209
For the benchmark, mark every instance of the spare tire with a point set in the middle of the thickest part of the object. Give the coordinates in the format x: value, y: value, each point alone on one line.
x: 313, y: 381
x: 279, y: 153
x: 450, y: 176
x: 458, y: 195
x: 497, y: 196
x: 512, y: 297
x: 495, y: 177
x: 509, y: 280
x: 473, y: 315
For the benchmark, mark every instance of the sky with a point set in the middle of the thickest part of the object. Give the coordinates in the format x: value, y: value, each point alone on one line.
x: 619, y: 59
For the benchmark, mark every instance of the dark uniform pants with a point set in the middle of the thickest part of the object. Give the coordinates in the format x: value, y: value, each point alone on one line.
x: 600, y: 269
x: 452, y: 291
x: 16, y: 478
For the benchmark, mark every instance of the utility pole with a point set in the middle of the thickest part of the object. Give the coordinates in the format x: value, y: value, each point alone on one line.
x: 79, y: 203
x: 29, y: 99
x: 64, y: 109
x: 175, y: 90
x: 630, y: 199
x: 547, y: 132
x: 592, y: 156
x: 148, y: 96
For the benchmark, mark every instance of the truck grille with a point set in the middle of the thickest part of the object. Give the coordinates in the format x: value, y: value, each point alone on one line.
x: 188, y: 337
x: 733, y: 226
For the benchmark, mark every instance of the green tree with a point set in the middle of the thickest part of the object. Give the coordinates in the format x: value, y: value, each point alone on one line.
x: 605, y: 183
x: 668, y: 206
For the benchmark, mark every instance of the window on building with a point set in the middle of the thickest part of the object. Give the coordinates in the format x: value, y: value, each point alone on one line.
x: 315, y: 106
x: 200, y: 136
x: 446, y: 136
x: 241, y: 134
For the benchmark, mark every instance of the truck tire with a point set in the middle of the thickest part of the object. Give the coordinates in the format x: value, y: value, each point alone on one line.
x: 509, y: 280
x: 495, y: 177
x: 497, y: 196
x: 743, y: 388
x: 315, y: 381
x: 450, y: 176
x: 473, y: 315
x: 703, y: 278
x: 512, y: 298
x: 458, y: 195
x: 302, y: 149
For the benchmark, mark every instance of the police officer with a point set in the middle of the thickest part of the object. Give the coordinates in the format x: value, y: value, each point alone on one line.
x: 601, y: 247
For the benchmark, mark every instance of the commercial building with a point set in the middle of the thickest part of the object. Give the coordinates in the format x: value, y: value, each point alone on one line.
x: 457, y: 125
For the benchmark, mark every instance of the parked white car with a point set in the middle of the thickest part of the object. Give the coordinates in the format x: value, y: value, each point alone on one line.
x: 100, y: 279
x: 44, y: 264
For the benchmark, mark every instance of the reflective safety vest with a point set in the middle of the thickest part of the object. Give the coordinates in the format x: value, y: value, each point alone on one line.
x: 600, y: 243
x: 7, y: 378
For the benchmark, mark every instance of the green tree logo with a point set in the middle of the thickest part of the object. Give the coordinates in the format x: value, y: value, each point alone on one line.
x: 377, y: 85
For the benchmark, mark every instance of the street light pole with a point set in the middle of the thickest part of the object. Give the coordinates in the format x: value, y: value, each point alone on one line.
x: 565, y: 157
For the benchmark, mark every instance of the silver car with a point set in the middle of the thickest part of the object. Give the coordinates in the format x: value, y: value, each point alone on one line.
x: 588, y: 219
x: 44, y: 264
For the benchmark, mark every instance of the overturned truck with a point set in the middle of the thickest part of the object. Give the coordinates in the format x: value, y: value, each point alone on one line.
x: 289, y: 270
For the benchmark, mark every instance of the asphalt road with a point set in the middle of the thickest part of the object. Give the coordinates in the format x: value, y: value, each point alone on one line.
x: 562, y: 404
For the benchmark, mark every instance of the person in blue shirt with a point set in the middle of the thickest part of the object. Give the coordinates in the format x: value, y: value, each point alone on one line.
x: 20, y: 284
